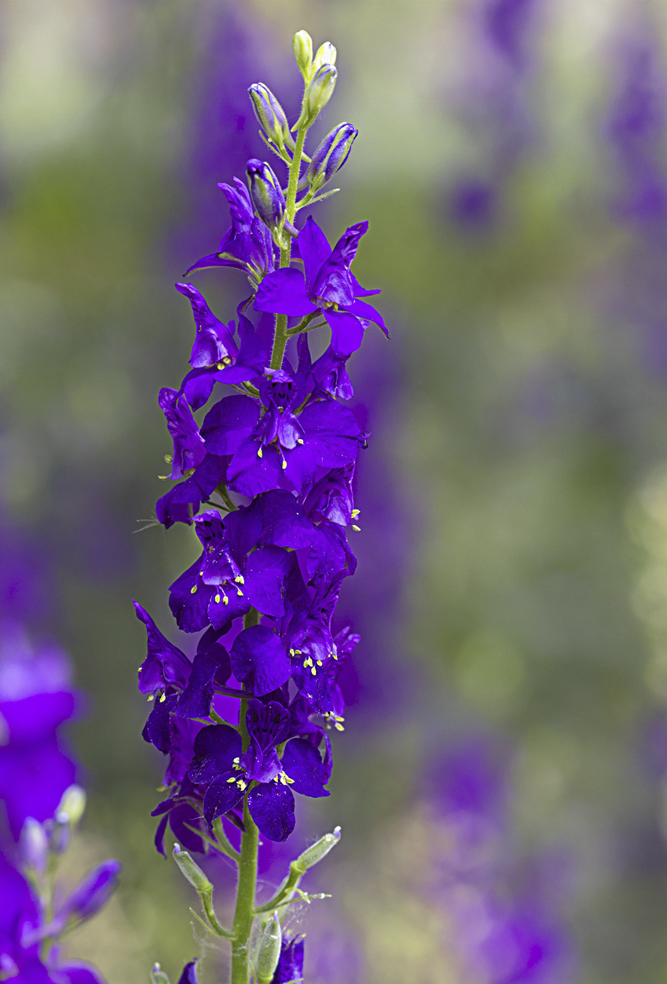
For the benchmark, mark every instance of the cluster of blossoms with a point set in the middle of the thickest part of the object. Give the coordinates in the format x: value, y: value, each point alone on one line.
x: 266, y: 481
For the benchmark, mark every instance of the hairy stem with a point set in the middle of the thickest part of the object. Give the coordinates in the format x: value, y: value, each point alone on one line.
x: 244, y: 912
x: 280, y: 335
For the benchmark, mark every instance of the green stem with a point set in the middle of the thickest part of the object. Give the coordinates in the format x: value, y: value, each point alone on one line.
x: 280, y: 335
x: 244, y: 912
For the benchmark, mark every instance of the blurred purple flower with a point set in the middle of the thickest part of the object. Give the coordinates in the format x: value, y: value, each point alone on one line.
x: 36, y: 698
x: 504, y: 934
x: 636, y: 128
x: 492, y: 100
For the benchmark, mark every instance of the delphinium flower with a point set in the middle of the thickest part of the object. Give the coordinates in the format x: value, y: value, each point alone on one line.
x: 265, y: 480
x: 492, y: 100
x: 503, y: 932
x: 35, y: 913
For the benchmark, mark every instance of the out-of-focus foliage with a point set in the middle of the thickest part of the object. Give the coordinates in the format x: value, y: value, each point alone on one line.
x: 510, y: 160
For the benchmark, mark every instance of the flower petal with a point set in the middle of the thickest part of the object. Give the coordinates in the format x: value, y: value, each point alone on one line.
x: 284, y: 292
x: 264, y: 576
x: 347, y: 331
x: 369, y: 313
x: 303, y: 763
x: 259, y: 660
x: 249, y: 474
x: 314, y: 250
x: 221, y: 797
x: 228, y: 423
x: 271, y: 806
x: 215, y: 749
x: 165, y: 664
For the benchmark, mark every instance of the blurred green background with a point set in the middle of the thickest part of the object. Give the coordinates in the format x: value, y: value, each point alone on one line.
x: 524, y: 431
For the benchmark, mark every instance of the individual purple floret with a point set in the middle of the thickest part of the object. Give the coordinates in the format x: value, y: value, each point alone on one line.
x: 327, y: 285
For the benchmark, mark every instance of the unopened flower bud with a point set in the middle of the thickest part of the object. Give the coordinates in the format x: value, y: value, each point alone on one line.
x: 34, y: 846
x: 189, y: 975
x: 270, y: 115
x: 158, y: 976
x: 191, y: 870
x: 318, y: 93
x: 317, y: 851
x: 326, y: 55
x: 269, y: 950
x: 72, y: 803
x: 266, y: 193
x: 331, y: 155
x: 59, y: 832
x: 302, y: 46
x: 93, y: 893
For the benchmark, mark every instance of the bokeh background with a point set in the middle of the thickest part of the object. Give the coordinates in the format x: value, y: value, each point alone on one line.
x: 501, y: 778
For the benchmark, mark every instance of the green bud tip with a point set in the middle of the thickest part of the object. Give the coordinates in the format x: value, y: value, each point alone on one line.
x: 302, y: 45
x: 72, y: 805
x: 318, y: 93
x: 326, y: 55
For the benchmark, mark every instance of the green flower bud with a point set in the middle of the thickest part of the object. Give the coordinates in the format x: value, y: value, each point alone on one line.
x: 318, y: 93
x: 191, y: 870
x: 72, y: 805
x: 34, y: 846
x: 270, y: 115
x: 158, y: 976
x: 326, y: 55
x: 316, y: 851
x: 302, y: 45
x: 269, y: 950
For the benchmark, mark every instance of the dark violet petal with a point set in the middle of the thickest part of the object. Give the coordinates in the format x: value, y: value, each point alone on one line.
x: 333, y: 439
x: 93, y: 892
x: 367, y: 311
x: 314, y: 251
x: 189, y: 598
x: 182, y: 817
x: 302, y: 762
x: 330, y: 375
x: 330, y: 553
x: 285, y: 523
x: 243, y: 529
x: 290, y: 965
x: 332, y: 496
x: 347, y: 331
x: 222, y: 796
x: 284, y: 292
x: 346, y: 248
x: 169, y: 511
x: 213, y: 260
x: 183, y: 734
x: 189, y: 448
x: 173, y: 507
x: 249, y: 474
x: 268, y: 725
x: 189, y: 975
x: 216, y: 747
x: 165, y: 664
x: 214, y: 341
x: 195, y: 701
x: 259, y: 660
x: 271, y: 806
x: 198, y: 385
x: 228, y: 423
x: 159, y: 834
x: 264, y: 576
x: 220, y: 613
x: 156, y: 730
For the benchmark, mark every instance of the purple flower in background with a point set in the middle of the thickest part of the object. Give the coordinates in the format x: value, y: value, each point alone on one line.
x: 290, y: 964
x: 492, y: 98
x: 36, y: 699
x: 636, y: 128
x: 20, y: 957
x: 503, y: 935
